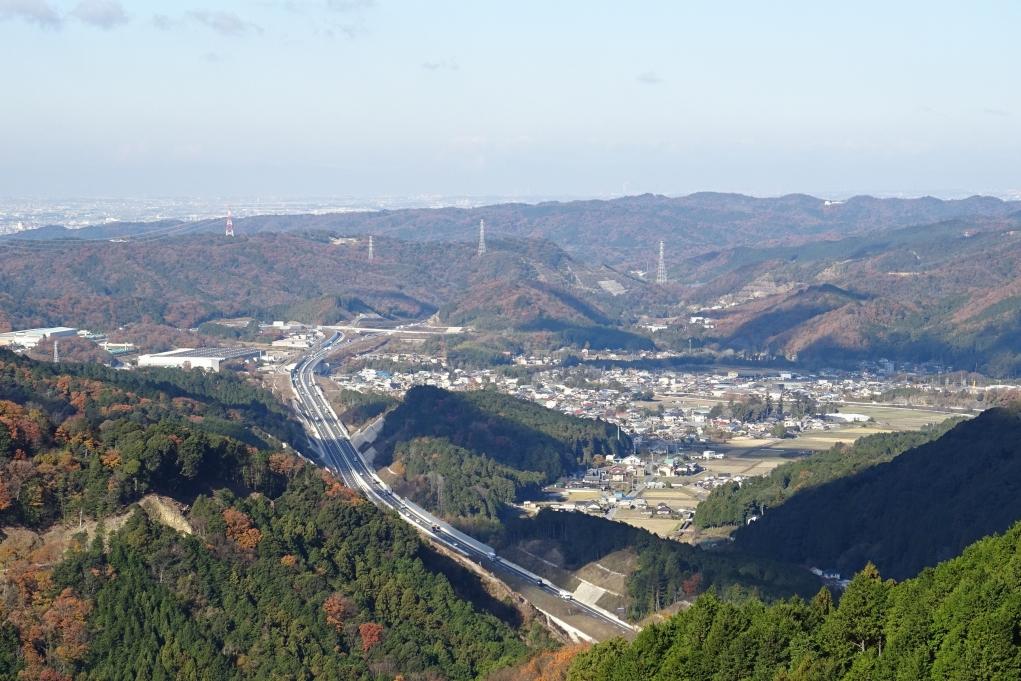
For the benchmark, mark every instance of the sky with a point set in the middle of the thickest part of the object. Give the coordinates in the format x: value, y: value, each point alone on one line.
x: 518, y: 98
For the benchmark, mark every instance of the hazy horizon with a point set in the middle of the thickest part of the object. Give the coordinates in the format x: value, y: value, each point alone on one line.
x: 370, y: 98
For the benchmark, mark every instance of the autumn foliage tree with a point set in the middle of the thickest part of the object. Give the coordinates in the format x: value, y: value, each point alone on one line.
x: 371, y: 635
x: 691, y: 585
x: 239, y: 528
x: 336, y: 608
x: 551, y: 665
x: 65, y: 626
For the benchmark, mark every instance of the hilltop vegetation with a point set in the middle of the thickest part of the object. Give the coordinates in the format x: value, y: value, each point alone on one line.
x: 734, y: 504
x: 915, y: 280
x: 923, y: 506
x: 941, y: 292
x: 84, y: 438
x: 465, y: 454
x: 621, y: 231
x: 530, y: 287
x: 287, y: 574
x: 957, y: 621
x: 314, y: 583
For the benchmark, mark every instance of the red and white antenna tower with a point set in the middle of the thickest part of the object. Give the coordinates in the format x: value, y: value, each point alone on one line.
x: 230, y: 224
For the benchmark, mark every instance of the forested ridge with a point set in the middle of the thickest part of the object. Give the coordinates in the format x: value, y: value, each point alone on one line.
x: 528, y: 286
x: 959, y: 620
x: 359, y: 408
x: 923, y: 506
x: 86, y: 438
x: 919, y: 280
x: 465, y: 453
x: 285, y: 573
x: 316, y: 583
x: 734, y: 504
x: 620, y: 231
x: 945, y: 292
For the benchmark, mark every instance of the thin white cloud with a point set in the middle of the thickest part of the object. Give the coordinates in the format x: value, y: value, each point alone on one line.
x: 105, y: 14
x: 350, y: 5
x: 163, y: 22
x: 224, y: 23
x: 649, y: 78
x: 996, y: 112
x: 442, y: 65
x: 38, y: 12
x: 350, y: 17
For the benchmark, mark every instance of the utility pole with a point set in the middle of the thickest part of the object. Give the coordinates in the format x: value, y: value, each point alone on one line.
x: 661, y: 267
x: 482, y: 237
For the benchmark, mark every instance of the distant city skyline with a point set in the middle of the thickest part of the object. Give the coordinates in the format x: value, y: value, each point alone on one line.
x: 378, y: 98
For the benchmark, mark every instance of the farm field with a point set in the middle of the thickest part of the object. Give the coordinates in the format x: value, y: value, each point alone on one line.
x: 898, y: 418
x: 578, y: 495
x: 664, y: 527
x: 676, y: 497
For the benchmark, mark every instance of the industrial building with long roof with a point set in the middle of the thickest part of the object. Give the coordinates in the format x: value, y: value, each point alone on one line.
x: 198, y: 358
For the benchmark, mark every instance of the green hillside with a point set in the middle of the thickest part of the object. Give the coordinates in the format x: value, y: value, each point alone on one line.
x: 923, y: 506
x: 960, y: 620
x: 465, y: 454
x: 274, y: 570
x: 734, y: 504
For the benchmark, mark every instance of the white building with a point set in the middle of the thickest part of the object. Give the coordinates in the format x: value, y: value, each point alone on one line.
x: 847, y: 417
x: 29, y: 338
x: 198, y: 358
x: 299, y: 341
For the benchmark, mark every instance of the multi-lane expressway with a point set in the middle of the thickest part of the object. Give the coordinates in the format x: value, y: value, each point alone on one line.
x: 341, y: 457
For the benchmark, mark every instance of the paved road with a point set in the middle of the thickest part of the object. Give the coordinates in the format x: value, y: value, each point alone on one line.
x: 340, y: 456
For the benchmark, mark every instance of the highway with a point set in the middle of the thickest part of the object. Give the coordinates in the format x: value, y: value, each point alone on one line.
x: 341, y: 457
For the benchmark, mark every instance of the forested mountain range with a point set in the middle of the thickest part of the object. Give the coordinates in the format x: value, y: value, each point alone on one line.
x: 923, y: 506
x: 184, y: 281
x: 959, y: 620
x: 273, y: 569
x: 949, y: 291
x: 914, y: 280
x: 621, y: 231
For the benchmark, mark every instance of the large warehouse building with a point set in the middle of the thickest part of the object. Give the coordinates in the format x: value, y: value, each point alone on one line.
x: 29, y: 338
x: 198, y: 358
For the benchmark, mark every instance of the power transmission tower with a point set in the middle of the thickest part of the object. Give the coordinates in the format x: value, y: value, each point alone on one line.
x: 661, y: 267
x: 56, y: 352
x: 372, y: 250
x: 482, y: 237
x: 230, y: 224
